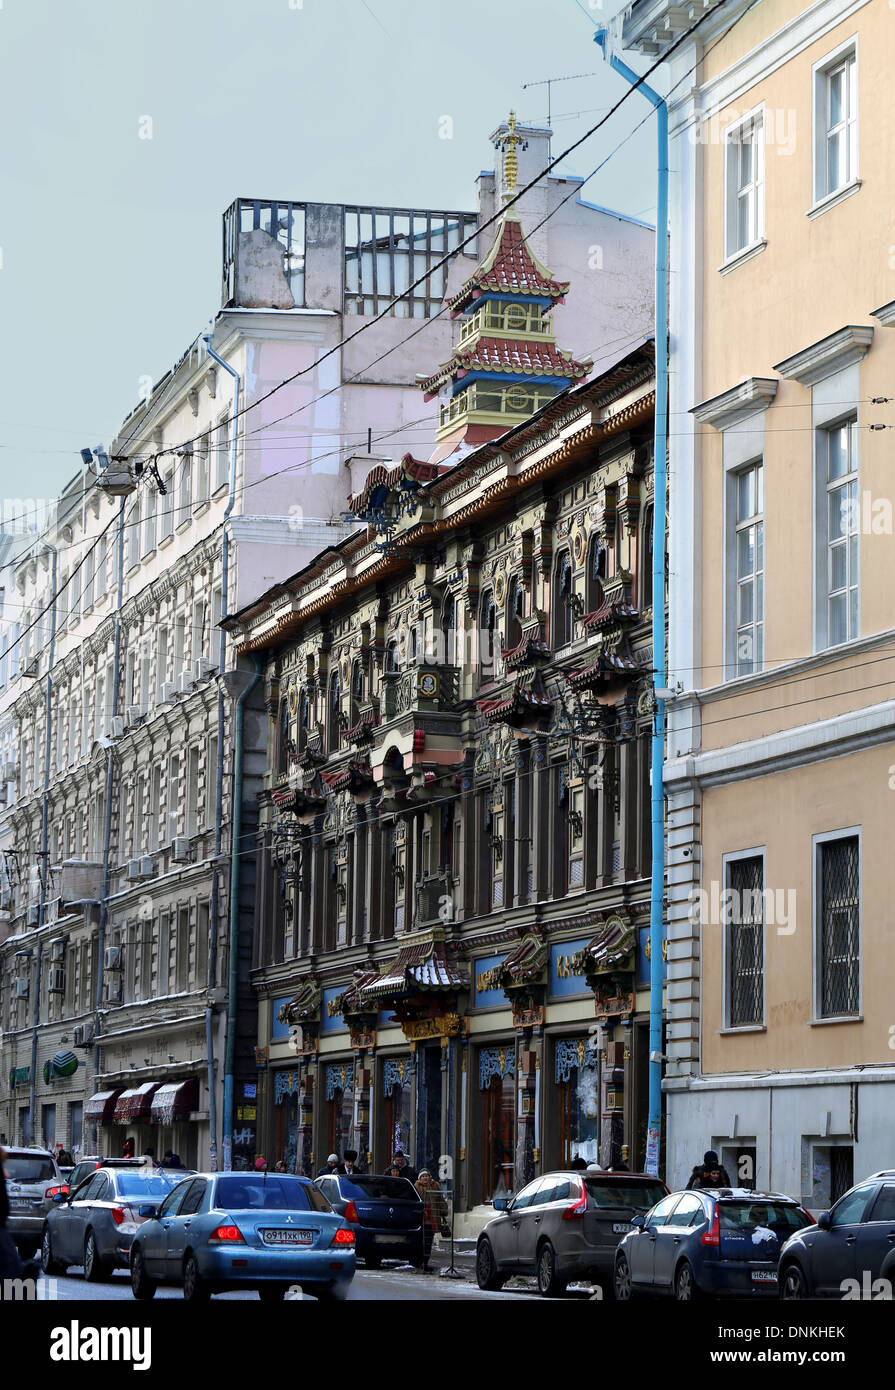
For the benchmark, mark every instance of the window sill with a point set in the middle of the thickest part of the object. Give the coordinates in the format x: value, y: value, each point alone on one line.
x: 754, y: 248
x: 183, y: 525
x: 746, y: 1028
x: 201, y: 507
x: 832, y: 199
x: 220, y: 490
x: 165, y: 541
x: 836, y: 1018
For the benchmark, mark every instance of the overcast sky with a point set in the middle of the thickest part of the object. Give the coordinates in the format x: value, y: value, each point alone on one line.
x: 111, y: 243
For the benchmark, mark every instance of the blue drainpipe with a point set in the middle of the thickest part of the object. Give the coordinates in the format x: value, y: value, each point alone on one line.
x: 660, y: 461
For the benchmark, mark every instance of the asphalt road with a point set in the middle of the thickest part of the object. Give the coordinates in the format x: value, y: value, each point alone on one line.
x: 368, y: 1286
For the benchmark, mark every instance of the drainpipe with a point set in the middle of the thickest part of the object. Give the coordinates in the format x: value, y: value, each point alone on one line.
x: 44, y: 850
x: 660, y: 464
x: 214, y: 925
x: 107, y: 829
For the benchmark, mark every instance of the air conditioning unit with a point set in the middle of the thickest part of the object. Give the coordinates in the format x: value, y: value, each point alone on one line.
x: 166, y: 692
x: 32, y: 915
x: 133, y: 871
x: 10, y: 772
x: 56, y: 979
x: 112, y: 958
x: 147, y: 866
x: 82, y: 881
x: 82, y: 1036
x: 116, y: 726
x: 31, y: 669
x: 185, y: 683
x: 180, y: 851
x: 112, y: 989
x: 203, y: 668
x: 134, y: 714
x: 57, y: 949
x: 22, y: 984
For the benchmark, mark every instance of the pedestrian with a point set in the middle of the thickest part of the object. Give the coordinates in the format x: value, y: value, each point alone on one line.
x: 434, y: 1212
x: 394, y: 1171
x: 171, y: 1160
x: 404, y: 1167
x: 149, y: 1152
x: 260, y: 1163
x: 128, y: 1150
x: 281, y: 1166
x: 350, y: 1166
x: 332, y: 1165
x: 578, y: 1164
x: 710, y: 1173
x: 64, y: 1159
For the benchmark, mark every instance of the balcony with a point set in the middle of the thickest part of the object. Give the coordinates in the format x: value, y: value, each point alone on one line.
x: 422, y: 689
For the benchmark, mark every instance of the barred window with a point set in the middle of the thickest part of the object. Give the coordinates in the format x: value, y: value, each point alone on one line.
x: 745, y: 942
x: 838, y: 920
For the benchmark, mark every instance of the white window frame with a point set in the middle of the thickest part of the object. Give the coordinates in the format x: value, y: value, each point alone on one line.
x: 732, y: 527
x: 817, y: 843
x: 822, y: 545
x: 842, y: 56
x: 752, y: 123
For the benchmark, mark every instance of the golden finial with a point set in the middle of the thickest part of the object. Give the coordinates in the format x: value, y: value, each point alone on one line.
x: 508, y: 144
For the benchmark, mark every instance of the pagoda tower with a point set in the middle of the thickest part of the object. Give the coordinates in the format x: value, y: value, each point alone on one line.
x: 506, y: 364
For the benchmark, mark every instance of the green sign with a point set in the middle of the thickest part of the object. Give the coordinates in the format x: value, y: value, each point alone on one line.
x: 19, y: 1076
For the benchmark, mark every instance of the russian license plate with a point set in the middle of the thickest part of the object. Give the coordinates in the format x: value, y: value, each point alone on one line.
x: 389, y: 1240
x: 287, y: 1237
x: 20, y: 1201
x: 764, y: 1276
x: 621, y: 1228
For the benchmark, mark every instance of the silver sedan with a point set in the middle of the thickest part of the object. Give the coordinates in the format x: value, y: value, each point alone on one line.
x: 94, y: 1226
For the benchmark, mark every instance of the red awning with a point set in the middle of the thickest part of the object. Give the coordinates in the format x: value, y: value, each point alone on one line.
x: 134, y: 1106
x: 101, y: 1107
x: 174, y: 1101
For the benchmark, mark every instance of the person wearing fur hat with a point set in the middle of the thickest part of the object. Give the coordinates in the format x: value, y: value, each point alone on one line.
x: 710, y: 1172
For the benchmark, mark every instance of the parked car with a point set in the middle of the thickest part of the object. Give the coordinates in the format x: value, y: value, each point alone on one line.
x: 90, y: 1162
x: 263, y: 1231
x: 33, y: 1181
x: 724, y: 1241
x: 563, y: 1226
x: 93, y: 1226
x: 853, y: 1241
x: 386, y: 1213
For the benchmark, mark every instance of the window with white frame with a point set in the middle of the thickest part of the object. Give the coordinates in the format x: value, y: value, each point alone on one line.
x: 744, y: 185
x: 221, y: 449
x: 838, y: 541
x: 837, y: 924
x: 836, y: 123
x: 747, y: 569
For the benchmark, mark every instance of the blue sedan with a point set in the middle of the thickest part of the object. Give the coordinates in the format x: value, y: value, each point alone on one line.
x: 263, y: 1231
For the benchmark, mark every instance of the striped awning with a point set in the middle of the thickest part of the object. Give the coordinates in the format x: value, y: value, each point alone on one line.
x: 135, y: 1105
x: 174, y: 1101
x: 101, y: 1107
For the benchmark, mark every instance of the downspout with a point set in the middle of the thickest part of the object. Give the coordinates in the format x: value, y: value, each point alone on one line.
x: 214, y: 926
x: 107, y: 829
x: 44, y: 850
x: 660, y: 465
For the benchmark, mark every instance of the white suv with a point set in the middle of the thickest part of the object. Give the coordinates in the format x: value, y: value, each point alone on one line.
x: 32, y: 1181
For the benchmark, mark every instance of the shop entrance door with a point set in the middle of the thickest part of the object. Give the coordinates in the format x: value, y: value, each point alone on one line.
x: 428, y: 1130
x: 498, y: 1159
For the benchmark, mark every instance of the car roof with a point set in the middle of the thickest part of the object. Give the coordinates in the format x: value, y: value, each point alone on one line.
x: 744, y: 1194
x: 27, y: 1150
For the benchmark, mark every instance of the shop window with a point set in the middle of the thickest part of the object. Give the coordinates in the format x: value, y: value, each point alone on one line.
x: 286, y: 1093
x: 578, y: 1080
x: 397, y: 1090
x: 497, y: 1072
x: 340, y: 1106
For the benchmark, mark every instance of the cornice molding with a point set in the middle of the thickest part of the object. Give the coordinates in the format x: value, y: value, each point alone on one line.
x: 885, y: 314
x: 732, y: 407
x: 828, y: 355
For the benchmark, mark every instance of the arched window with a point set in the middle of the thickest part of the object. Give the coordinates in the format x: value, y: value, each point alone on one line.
x: 487, y: 653
x: 449, y: 630
x: 283, y: 737
x: 596, y: 573
x: 391, y: 657
x: 357, y: 690
x: 414, y: 643
x: 515, y: 611
x: 563, y: 615
x: 645, y: 559
x: 333, y: 731
x: 304, y: 718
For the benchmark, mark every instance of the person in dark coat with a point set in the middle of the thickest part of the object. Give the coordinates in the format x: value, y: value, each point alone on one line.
x: 332, y: 1167
x: 171, y: 1160
x: 710, y: 1173
x: 404, y: 1166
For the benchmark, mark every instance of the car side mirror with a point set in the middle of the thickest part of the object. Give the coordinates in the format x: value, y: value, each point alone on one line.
x: 501, y: 1203
x: 824, y: 1221
x: 148, y: 1210
x: 638, y: 1223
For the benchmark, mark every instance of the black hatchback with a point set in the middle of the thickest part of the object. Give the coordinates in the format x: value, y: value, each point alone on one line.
x: 386, y: 1215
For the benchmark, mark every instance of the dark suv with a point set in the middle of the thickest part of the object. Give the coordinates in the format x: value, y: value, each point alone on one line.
x: 850, y: 1253
x: 561, y: 1227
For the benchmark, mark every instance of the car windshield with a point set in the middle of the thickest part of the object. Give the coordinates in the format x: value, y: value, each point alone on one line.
x: 268, y: 1193
x: 624, y: 1193
x: 741, y: 1218
x: 391, y: 1189
x: 28, y: 1168
x: 136, y: 1185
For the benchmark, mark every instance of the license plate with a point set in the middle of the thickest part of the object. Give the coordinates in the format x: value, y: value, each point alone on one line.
x: 389, y: 1240
x: 621, y: 1228
x: 287, y: 1237
x: 763, y: 1276
x: 19, y: 1202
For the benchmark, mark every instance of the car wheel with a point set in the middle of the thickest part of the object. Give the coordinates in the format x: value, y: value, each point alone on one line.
x: 48, y: 1262
x: 549, y: 1283
x: 686, y: 1289
x: 141, y: 1285
x: 622, y: 1284
x: 486, y: 1272
x: 793, y: 1284
x: 195, y: 1289
x: 94, y: 1270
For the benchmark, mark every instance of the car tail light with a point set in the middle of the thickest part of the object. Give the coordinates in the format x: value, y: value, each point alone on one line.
x: 119, y: 1215
x: 576, y: 1209
x: 59, y: 1189
x: 227, y: 1235
x: 713, y: 1235
x: 343, y: 1236
x: 350, y: 1212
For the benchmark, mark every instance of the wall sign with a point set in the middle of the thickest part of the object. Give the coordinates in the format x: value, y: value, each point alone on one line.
x: 332, y: 1023
x: 279, y: 1032
x: 563, y: 978
x: 487, y: 998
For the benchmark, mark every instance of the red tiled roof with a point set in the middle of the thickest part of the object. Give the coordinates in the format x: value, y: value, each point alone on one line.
x: 392, y: 477
x: 509, y: 266
x: 605, y: 667
x: 515, y: 356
